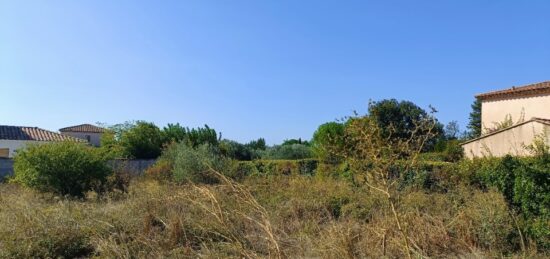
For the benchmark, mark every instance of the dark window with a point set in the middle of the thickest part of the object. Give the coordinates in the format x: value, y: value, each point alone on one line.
x: 88, y: 138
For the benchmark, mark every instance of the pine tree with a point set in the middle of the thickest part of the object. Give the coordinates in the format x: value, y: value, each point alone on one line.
x: 474, y: 125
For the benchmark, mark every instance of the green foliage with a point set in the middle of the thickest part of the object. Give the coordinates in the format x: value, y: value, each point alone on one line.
x: 289, y: 142
x: 292, y: 152
x: 173, y: 133
x: 258, y: 144
x: 525, y: 183
x: 200, y: 136
x: 399, y: 119
x: 142, y: 141
x: 274, y: 168
x: 328, y: 137
x: 195, y: 164
x: 64, y: 168
x: 474, y: 125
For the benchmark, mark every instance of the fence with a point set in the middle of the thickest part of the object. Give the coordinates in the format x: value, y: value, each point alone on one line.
x: 131, y: 167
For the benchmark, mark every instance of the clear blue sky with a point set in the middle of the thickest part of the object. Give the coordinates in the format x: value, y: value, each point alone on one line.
x: 274, y: 69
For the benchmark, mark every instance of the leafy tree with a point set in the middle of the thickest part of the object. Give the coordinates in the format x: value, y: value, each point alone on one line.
x: 474, y: 126
x: 258, y: 144
x: 199, y: 136
x: 66, y: 168
x: 173, y: 133
x: 295, y: 141
x: 235, y: 150
x: 452, y: 130
x: 328, y: 136
x: 142, y: 141
x: 399, y: 119
x: 110, y: 139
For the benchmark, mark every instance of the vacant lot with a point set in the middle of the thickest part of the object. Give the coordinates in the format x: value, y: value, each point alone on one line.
x: 277, y: 216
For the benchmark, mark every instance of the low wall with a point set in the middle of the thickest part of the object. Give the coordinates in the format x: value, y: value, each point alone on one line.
x: 6, y: 167
x: 131, y: 167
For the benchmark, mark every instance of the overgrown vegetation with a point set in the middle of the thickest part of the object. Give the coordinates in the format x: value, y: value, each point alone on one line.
x: 391, y: 183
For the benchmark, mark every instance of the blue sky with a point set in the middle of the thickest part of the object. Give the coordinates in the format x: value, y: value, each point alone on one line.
x: 250, y: 69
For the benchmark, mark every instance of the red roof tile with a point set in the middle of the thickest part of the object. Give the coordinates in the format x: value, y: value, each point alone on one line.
x: 83, y: 128
x: 538, y: 88
x: 33, y: 134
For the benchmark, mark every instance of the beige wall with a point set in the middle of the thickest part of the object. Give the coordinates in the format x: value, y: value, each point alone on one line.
x: 496, y: 110
x: 14, y: 145
x: 511, y: 141
x: 95, y: 138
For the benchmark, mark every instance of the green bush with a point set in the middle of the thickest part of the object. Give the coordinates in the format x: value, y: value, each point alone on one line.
x: 288, y: 152
x: 65, y: 168
x: 525, y: 183
x: 274, y: 168
x: 195, y: 164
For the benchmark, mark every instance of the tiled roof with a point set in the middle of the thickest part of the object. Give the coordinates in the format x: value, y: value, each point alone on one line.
x: 33, y: 134
x: 83, y: 128
x: 538, y: 88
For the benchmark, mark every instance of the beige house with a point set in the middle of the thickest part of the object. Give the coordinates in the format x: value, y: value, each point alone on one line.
x: 523, y: 111
x: 13, y: 138
x: 87, y: 132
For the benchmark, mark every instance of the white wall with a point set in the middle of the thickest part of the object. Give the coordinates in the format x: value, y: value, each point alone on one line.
x: 508, y: 142
x: 14, y: 145
x: 494, y: 111
x: 95, y: 138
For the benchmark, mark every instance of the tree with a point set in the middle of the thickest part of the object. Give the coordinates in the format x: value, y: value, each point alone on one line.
x: 173, y: 133
x: 474, y: 126
x: 293, y: 141
x: 235, y: 150
x: 258, y: 144
x: 327, y: 137
x: 142, y: 141
x: 291, y: 152
x: 398, y: 119
x: 379, y: 161
x: 199, y: 136
x: 452, y: 130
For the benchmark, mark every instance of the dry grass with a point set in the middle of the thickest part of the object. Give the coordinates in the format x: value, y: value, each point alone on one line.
x: 280, y: 217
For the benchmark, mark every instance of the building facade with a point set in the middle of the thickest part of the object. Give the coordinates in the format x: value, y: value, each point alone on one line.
x: 92, y: 134
x: 527, y: 110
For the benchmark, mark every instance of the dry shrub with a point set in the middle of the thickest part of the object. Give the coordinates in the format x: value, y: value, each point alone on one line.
x: 31, y: 228
x: 296, y: 217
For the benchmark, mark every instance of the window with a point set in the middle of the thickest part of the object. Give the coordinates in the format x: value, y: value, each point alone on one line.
x: 4, y: 152
x: 88, y: 138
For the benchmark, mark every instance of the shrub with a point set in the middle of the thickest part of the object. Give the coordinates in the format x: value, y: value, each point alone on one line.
x: 160, y: 171
x: 291, y: 152
x: 65, y: 168
x: 195, y: 164
x: 525, y: 183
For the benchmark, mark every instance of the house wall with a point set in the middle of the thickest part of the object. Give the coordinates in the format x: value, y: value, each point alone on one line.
x: 14, y: 145
x: 494, y: 111
x: 511, y: 141
x: 95, y: 138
